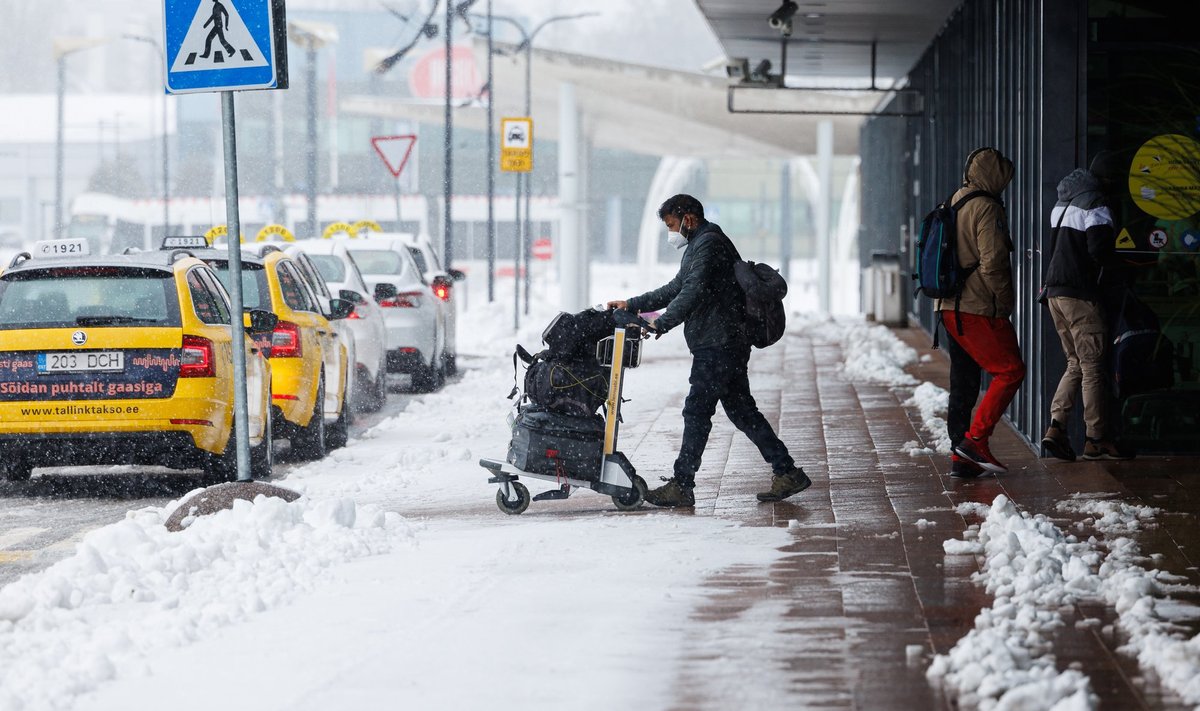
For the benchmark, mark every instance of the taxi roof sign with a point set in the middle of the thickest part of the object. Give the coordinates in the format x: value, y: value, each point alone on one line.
x: 61, y: 248
x: 184, y: 242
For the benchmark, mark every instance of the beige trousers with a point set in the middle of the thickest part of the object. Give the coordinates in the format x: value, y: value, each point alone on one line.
x: 1080, y: 326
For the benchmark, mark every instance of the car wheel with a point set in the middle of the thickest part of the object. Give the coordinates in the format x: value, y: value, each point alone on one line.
x: 337, y: 434
x: 18, y: 470
x: 451, y: 363
x: 308, y: 443
x: 221, y: 468
x: 262, y: 457
x: 427, y: 379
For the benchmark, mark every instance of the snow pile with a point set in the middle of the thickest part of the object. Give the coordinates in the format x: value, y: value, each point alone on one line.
x: 871, y: 353
x: 1032, y: 570
x: 931, y: 401
x: 133, y: 588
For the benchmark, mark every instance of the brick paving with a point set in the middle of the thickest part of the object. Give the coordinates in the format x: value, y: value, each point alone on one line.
x: 837, y: 623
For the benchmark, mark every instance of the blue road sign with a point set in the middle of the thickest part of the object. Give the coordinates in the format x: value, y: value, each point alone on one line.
x: 225, y: 45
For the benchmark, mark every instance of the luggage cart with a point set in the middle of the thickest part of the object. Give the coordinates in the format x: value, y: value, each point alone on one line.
x: 617, y: 477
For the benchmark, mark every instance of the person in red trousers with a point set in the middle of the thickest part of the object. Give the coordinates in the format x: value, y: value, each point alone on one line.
x: 981, y: 336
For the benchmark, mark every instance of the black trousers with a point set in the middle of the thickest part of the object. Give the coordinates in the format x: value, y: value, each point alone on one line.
x: 719, y: 375
x: 965, y: 379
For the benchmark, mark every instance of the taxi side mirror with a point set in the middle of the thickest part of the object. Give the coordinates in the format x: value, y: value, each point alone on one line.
x: 385, y: 291
x: 259, y: 321
x: 456, y: 274
x: 340, y: 308
x: 351, y: 295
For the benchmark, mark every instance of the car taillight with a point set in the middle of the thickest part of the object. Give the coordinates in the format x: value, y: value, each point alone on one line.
x: 441, y: 290
x: 285, y: 341
x: 403, y: 300
x: 197, y: 358
x: 355, y: 315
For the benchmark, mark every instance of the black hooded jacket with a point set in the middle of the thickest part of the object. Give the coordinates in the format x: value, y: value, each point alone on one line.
x: 1082, y: 237
x: 704, y: 295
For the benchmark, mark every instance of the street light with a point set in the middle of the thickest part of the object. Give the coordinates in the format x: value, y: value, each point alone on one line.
x: 527, y: 37
x: 312, y: 36
x: 64, y: 47
x: 166, y: 172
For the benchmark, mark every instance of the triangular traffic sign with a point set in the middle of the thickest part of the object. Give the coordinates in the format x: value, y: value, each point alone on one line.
x: 394, y: 150
x: 217, y: 39
x: 1125, y: 240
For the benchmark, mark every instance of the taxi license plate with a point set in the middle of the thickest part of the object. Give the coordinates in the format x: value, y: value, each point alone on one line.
x: 90, y: 362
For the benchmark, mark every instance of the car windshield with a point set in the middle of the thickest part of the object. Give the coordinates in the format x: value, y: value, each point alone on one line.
x: 255, y: 292
x: 381, y: 262
x: 88, y: 296
x: 331, y: 267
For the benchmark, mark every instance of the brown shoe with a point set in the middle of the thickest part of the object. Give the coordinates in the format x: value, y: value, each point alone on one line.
x: 1103, y: 449
x: 786, y: 484
x: 671, y: 495
x: 1056, y: 444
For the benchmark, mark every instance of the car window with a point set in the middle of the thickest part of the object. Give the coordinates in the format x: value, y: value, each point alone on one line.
x: 313, y: 277
x: 203, y: 301
x: 219, y: 295
x: 294, y: 293
x: 88, y: 296
x: 255, y: 292
x: 435, y: 262
x: 382, y: 262
x: 331, y: 267
x: 419, y: 258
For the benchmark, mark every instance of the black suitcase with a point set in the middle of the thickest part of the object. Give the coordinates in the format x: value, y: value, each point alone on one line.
x: 553, y: 443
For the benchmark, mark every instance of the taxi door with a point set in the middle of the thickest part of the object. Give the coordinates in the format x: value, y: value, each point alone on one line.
x: 257, y: 395
x: 307, y: 314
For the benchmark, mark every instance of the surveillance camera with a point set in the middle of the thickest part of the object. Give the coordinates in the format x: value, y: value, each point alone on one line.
x: 762, y: 71
x: 738, y: 68
x: 782, y: 17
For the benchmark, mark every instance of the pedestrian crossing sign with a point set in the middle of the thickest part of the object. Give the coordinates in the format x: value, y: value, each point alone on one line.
x: 224, y: 45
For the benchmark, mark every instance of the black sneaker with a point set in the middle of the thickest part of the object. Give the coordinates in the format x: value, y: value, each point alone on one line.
x: 671, y: 495
x: 786, y: 484
x: 964, y: 468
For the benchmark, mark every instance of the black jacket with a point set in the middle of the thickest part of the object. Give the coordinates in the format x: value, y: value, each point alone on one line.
x: 704, y: 295
x: 1082, y: 237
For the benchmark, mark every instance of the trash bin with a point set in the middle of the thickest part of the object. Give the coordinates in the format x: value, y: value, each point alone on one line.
x: 888, y: 289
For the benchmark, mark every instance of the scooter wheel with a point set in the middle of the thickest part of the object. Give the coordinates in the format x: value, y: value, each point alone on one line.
x: 514, y: 507
x: 634, y: 498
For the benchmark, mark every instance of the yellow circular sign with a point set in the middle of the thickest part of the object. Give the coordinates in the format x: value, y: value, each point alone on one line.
x: 361, y: 225
x: 219, y: 231
x: 1164, y: 179
x: 336, y: 227
x: 275, y: 230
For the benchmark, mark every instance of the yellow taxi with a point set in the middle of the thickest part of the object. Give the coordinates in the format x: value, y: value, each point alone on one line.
x: 309, y: 364
x: 123, y: 359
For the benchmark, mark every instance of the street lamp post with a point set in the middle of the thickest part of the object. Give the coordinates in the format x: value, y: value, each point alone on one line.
x: 524, y: 184
x: 166, y: 172
x: 312, y: 36
x: 63, y: 47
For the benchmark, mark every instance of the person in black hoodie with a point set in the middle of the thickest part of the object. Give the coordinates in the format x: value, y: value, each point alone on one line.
x: 1082, y: 241
x: 706, y: 298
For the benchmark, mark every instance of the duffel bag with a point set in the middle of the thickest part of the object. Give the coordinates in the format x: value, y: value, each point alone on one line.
x: 552, y: 443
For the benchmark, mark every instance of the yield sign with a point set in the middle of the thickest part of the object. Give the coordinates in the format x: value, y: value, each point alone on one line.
x: 394, y: 151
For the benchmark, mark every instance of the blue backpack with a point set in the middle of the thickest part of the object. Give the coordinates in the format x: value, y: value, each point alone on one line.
x: 939, y: 274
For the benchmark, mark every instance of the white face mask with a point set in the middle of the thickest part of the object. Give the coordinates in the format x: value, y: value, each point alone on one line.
x: 676, y: 240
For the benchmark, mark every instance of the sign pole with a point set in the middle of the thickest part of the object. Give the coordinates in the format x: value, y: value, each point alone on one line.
x: 241, y: 425
x: 399, y: 219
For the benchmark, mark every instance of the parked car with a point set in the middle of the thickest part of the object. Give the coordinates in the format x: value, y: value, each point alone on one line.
x: 416, y: 328
x: 124, y: 359
x: 310, y: 365
x: 441, y: 281
x: 333, y: 262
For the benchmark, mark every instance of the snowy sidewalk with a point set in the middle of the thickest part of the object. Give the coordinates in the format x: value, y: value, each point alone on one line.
x: 396, y: 583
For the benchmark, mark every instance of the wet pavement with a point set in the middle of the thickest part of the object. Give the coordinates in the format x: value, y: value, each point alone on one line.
x: 850, y: 617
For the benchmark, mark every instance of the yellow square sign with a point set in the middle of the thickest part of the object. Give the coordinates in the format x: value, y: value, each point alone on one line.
x: 516, y: 144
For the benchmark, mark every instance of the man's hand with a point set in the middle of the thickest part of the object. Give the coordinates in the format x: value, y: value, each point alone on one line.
x: 653, y: 329
x: 618, y: 304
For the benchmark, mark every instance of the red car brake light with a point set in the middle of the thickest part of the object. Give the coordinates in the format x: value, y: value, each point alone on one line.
x: 285, y: 341
x: 403, y: 300
x: 441, y: 290
x: 197, y: 358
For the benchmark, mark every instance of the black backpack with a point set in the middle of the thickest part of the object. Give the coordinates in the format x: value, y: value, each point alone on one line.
x: 1142, y: 356
x: 939, y: 275
x: 765, y: 287
x: 565, y: 377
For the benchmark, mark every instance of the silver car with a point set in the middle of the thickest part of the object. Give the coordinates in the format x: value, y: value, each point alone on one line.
x: 416, y: 335
x: 336, y: 268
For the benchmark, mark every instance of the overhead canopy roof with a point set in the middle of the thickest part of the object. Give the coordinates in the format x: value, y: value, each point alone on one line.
x: 637, y: 108
x: 831, y: 38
